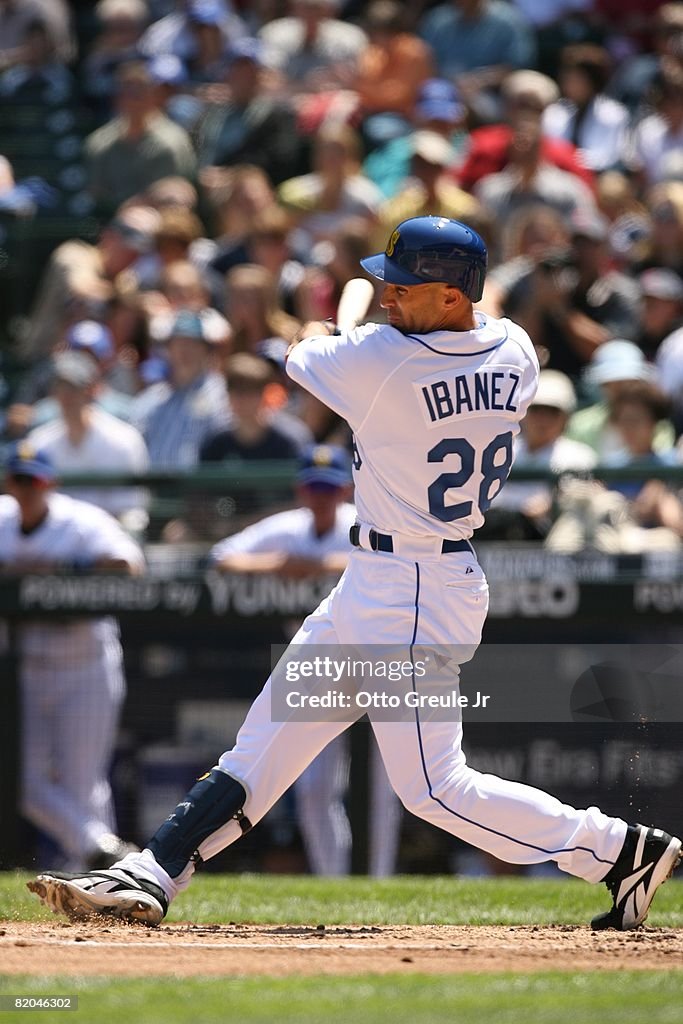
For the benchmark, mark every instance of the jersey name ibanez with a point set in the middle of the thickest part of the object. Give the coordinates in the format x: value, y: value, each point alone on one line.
x: 433, y: 417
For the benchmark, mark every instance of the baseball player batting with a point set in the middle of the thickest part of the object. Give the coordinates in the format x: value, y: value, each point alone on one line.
x: 434, y: 399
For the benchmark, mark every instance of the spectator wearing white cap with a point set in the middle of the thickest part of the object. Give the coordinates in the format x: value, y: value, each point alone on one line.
x: 615, y: 367
x: 542, y: 444
x: 428, y: 190
x: 635, y: 414
x: 15, y: 18
x: 96, y: 341
x: 524, y: 94
x: 87, y: 439
x: 121, y: 23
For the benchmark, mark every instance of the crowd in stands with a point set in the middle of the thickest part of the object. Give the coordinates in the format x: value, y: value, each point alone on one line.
x: 183, y: 183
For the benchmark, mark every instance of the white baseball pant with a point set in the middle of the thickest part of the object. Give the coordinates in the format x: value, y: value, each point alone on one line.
x: 384, y: 599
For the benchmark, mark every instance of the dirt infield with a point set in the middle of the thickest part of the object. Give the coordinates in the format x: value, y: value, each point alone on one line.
x: 193, y: 950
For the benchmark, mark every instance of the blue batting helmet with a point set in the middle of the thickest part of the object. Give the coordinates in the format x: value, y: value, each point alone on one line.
x: 432, y: 249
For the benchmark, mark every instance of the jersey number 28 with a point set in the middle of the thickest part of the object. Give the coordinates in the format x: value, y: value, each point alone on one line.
x: 491, y: 474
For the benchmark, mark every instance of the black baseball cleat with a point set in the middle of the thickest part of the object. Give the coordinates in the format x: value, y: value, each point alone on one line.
x: 648, y: 857
x: 114, y: 893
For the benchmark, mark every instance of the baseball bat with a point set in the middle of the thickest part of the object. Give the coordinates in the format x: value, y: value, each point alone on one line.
x: 354, y: 303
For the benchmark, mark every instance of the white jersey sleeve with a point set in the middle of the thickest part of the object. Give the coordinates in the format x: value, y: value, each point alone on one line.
x: 343, y: 371
x: 103, y: 537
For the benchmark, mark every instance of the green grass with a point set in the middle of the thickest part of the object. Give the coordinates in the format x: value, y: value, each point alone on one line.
x: 611, y: 998
x: 623, y: 997
x: 411, y: 899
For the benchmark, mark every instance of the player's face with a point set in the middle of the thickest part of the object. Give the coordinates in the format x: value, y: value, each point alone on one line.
x: 322, y: 500
x: 28, y: 492
x: 418, y: 308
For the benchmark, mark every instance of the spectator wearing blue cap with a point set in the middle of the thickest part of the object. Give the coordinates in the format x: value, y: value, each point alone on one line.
x: 438, y: 109
x: 211, y: 45
x: 172, y: 79
x: 139, y: 146
x: 311, y: 542
x: 307, y: 541
x: 176, y: 33
x: 111, y: 394
x: 70, y: 670
x: 177, y: 415
x: 255, y: 126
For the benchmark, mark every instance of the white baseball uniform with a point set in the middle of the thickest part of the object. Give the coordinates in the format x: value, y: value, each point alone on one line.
x: 320, y: 789
x: 433, y: 417
x: 72, y: 682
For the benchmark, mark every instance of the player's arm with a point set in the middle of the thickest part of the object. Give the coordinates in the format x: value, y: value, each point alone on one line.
x: 130, y: 567
x: 343, y: 371
x: 281, y: 563
x: 302, y: 567
x: 312, y: 329
x: 106, y: 547
x: 257, y: 562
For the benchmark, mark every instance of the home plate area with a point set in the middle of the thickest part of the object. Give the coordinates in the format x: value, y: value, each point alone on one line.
x: 113, y: 948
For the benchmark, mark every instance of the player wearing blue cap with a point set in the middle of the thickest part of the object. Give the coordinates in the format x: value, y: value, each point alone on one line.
x: 71, y: 671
